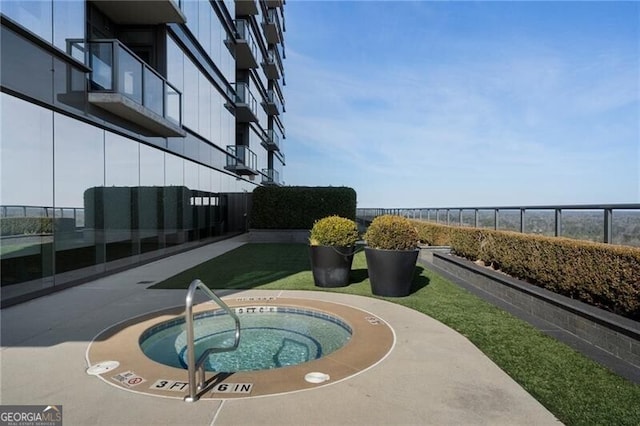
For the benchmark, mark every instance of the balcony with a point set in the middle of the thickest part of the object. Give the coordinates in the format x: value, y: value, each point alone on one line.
x: 272, y: 4
x: 270, y: 177
x: 271, y: 26
x: 141, y: 12
x: 246, y: 106
x: 241, y: 160
x: 121, y: 83
x: 243, y: 47
x: 273, y: 65
x: 272, y: 104
x: 246, y: 7
x: 272, y: 141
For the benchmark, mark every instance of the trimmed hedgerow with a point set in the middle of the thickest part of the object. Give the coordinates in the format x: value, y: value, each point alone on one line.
x: 298, y: 207
x: 334, y: 231
x: 433, y: 235
x: 603, y: 275
x: 390, y: 232
x: 26, y: 225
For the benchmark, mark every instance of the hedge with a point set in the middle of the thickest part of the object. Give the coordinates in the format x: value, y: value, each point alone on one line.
x: 25, y: 226
x: 603, y: 275
x: 298, y: 207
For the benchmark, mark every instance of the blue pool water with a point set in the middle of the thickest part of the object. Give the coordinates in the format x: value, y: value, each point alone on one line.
x: 276, y: 337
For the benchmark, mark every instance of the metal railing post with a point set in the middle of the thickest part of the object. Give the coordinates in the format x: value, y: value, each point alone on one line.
x: 608, y: 226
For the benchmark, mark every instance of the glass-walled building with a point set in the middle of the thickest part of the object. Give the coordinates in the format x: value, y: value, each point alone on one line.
x: 131, y: 130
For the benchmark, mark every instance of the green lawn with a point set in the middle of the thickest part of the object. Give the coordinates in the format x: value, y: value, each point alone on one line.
x: 577, y: 390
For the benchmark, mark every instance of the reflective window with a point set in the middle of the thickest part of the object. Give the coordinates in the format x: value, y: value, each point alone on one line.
x: 190, y: 9
x: 217, y: 40
x: 120, y: 203
x: 190, y: 214
x: 175, y: 200
x: 150, y: 196
x: 175, y: 64
x: 19, y: 55
x: 78, y: 184
x: 205, y: 12
x: 68, y: 25
x: 190, y: 95
x: 26, y: 196
x: 217, y: 105
x: 35, y: 15
x: 69, y: 85
x: 204, y: 100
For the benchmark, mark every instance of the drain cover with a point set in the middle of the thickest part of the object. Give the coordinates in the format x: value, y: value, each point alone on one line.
x: 316, y: 377
x: 102, y: 367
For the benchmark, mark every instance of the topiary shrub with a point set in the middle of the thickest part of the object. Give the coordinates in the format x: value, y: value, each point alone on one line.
x: 390, y: 232
x: 334, y: 231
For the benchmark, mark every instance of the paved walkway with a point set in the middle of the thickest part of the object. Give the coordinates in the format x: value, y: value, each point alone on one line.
x: 432, y: 376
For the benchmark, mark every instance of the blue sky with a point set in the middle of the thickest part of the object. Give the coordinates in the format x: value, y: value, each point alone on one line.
x: 436, y: 104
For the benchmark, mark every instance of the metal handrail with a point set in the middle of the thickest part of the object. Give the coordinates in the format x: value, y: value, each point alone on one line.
x: 367, y: 214
x: 193, y: 365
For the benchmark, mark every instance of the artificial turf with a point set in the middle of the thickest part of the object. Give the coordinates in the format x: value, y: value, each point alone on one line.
x: 577, y: 390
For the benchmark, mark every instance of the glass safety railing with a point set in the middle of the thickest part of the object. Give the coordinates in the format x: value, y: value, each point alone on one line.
x: 243, y: 95
x: 241, y: 156
x: 243, y: 32
x: 274, y: 99
x: 270, y: 176
x: 115, y: 69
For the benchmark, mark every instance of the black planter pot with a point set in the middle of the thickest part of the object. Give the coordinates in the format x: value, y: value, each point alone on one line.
x: 331, y: 265
x: 391, y: 271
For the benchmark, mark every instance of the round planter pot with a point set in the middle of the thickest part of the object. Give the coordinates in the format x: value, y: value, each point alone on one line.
x: 331, y: 265
x: 391, y: 271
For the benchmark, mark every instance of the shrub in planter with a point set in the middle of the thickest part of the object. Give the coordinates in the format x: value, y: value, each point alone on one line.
x: 332, y: 245
x: 392, y: 253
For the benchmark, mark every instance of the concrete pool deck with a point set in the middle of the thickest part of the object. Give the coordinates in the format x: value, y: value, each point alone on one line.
x: 433, y: 375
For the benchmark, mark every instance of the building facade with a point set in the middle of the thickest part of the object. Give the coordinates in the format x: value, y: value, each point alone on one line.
x: 131, y: 130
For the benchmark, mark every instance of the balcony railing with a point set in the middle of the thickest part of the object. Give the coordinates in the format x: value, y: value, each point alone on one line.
x: 272, y: 65
x: 272, y: 140
x: 125, y: 85
x: 244, y: 47
x: 270, y: 177
x: 241, y: 160
x: 271, y: 26
x: 272, y: 105
x: 246, y: 106
x: 608, y: 223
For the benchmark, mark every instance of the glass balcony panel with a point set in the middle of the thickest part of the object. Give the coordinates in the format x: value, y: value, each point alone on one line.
x: 246, y: 106
x: 274, y: 138
x: 241, y: 160
x: 246, y: 48
x: 272, y: 28
x: 117, y: 72
x: 173, y: 105
x: 101, y: 62
x: 153, y: 92
x: 270, y: 177
x: 129, y: 75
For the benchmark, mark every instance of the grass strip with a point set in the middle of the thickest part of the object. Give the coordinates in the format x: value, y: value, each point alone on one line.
x: 577, y: 390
